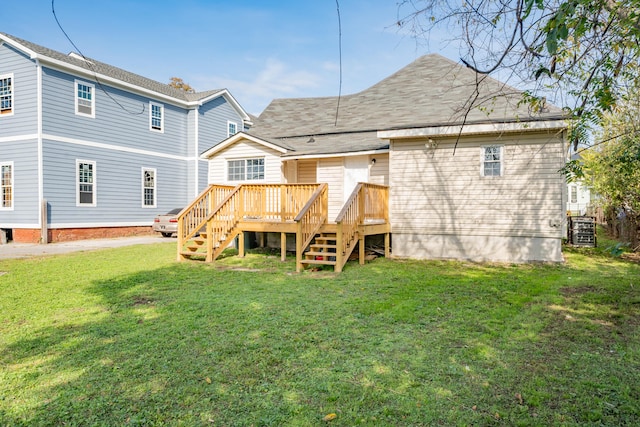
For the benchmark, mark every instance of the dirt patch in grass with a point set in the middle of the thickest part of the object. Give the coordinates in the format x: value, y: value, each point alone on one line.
x: 142, y: 300
x: 577, y: 290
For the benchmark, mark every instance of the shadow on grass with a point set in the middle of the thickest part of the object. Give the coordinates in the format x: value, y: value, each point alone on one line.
x: 392, y: 343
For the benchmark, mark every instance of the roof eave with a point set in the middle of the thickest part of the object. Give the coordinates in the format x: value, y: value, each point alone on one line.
x: 473, y: 129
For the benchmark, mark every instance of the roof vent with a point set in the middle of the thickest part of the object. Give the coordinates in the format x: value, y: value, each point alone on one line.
x: 80, y: 57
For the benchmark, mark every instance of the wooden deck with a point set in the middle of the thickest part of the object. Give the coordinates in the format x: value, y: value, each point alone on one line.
x: 221, y: 214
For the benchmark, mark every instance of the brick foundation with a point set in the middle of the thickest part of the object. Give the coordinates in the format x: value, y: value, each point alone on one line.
x: 24, y: 235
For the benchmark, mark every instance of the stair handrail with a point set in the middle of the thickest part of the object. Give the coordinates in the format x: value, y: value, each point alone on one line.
x: 366, y: 202
x: 193, y: 217
x: 310, y: 219
x: 351, y: 214
x: 222, y: 221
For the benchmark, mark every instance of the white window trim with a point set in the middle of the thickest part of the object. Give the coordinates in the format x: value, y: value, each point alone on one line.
x: 151, y: 105
x: 155, y: 187
x: 229, y: 122
x: 13, y: 188
x: 93, y: 98
x: 482, y: 152
x: 13, y: 94
x: 245, y: 180
x: 95, y: 184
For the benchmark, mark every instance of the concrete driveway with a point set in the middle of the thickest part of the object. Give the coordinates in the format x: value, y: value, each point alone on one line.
x: 28, y: 250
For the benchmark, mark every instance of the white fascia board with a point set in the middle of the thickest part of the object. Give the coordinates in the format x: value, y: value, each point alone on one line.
x: 472, y: 129
x: 90, y: 75
x: 237, y: 138
x: 332, y: 155
x: 17, y: 45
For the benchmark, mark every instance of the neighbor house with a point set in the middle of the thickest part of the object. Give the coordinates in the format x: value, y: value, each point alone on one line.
x: 88, y: 149
x: 578, y: 194
x: 470, y: 171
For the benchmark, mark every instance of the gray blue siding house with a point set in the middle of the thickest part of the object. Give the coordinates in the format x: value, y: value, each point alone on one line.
x: 91, y: 150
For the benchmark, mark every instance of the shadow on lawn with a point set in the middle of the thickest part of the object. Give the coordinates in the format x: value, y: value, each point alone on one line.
x: 197, y: 346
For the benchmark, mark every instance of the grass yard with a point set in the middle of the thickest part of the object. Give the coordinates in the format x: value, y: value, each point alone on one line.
x: 128, y: 337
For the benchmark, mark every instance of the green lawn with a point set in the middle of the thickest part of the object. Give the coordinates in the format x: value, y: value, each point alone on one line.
x: 129, y: 337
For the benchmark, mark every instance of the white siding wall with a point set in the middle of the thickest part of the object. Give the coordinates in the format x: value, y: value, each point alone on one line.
x: 245, y: 150
x: 331, y: 171
x: 379, y: 171
x: 441, y: 206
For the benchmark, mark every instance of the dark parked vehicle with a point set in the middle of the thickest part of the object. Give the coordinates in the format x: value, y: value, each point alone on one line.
x: 167, y: 224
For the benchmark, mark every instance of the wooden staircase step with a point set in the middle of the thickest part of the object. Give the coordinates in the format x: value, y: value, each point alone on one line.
x: 323, y: 254
x: 326, y: 238
x: 317, y: 262
x: 322, y: 246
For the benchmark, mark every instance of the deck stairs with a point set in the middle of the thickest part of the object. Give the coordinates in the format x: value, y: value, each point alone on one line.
x: 223, y: 213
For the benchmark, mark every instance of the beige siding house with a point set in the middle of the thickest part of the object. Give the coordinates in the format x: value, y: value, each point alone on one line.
x: 472, y: 173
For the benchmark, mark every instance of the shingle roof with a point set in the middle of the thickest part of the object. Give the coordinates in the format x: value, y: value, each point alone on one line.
x: 431, y: 91
x: 101, y: 68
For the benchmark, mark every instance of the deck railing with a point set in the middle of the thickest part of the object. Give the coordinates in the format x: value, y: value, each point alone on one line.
x: 193, y: 217
x: 367, y: 203
x: 310, y: 219
x: 274, y: 202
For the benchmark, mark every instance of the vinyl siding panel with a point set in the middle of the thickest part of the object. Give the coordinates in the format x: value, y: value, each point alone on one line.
x: 437, y: 193
x: 246, y: 150
x: 331, y: 171
x: 212, y: 122
x: 307, y: 171
x: 24, y: 120
x: 26, y: 207
x: 379, y: 172
x: 118, y: 186
x: 121, y: 118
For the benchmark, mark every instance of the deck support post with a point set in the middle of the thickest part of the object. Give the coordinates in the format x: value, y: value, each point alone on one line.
x: 241, y: 244
x: 361, y: 248
x: 210, y: 248
x: 299, y: 248
x: 387, y: 251
x: 283, y: 246
x: 339, y: 250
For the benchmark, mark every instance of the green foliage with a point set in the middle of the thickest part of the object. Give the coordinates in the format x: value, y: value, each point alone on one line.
x: 130, y: 337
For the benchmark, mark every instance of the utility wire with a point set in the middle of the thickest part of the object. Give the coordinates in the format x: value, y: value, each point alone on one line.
x: 340, y: 57
x: 90, y: 65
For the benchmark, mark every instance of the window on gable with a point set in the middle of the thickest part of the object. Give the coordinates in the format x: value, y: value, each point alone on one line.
x: 85, y: 99
x: 6, y: 186
x: 85, y: 179
x: 6, y: 94
x: 245, y: 170
x: 149, y: 188
x: 156, y: 117
x: 232, y: 128
x: 492, y: 160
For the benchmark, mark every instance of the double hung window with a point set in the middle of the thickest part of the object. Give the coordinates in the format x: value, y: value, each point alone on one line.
x: 86, y: 183
x: 148, y: 188
x: 6, y: 94
x: 492, y: 160
x: 6, y: 185
x: 85, y: 99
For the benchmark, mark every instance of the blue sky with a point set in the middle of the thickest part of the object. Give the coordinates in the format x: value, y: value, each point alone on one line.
x: 259, y: 50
